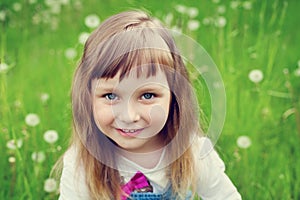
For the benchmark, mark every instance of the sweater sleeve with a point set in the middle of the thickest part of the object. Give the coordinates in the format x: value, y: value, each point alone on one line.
x: 213, y: 183
x: 72, y: 182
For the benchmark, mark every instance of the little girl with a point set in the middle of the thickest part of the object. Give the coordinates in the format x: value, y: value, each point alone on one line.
x: 136, y: 133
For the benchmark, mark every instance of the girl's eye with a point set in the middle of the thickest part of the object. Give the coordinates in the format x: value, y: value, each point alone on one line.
x: 111, y: 96
x: 148, y: 96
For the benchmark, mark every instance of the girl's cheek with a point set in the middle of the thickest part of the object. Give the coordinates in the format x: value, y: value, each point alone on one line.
x: 103, y: 114
x: 158, y: 113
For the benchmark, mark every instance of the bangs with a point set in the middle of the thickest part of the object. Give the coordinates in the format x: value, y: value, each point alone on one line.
x: 142, y: 50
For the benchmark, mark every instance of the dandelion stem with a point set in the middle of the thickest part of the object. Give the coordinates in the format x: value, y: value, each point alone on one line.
x: 294, y: 103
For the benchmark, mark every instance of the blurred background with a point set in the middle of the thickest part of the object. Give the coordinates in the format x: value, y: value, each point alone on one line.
x: 254, y: 43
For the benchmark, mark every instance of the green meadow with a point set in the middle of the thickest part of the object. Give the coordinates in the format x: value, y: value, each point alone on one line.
x: 255, y: 45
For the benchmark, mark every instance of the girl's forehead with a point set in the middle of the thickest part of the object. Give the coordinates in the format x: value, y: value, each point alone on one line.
x: 133, y: 79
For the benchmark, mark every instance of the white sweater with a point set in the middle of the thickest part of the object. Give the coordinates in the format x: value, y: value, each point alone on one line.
x: 213, y: 183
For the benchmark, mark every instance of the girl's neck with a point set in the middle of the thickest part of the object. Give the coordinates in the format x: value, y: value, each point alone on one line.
x: 147, y: 160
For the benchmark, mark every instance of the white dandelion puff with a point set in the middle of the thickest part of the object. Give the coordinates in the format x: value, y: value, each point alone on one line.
x: 17, y: 103
x: 44, y: 97
x: 51, y: 136
x: 256, y: 76
x: 2, y: 15
x: 32, y: 1
x: 221, y: 9
x: 83, y: 37
x: 65, y: 2
x: 297, y: 72
x: 12, y: 159
x: 193, y: 25
x: 244, y: 142
x: 216, y: 1
x: 70, y: 53
x: 206, y: 21
x: 247, y: 5
x: 55, y: 8
x: 192, y: 12
x: 38, y: 157
x: 285, y: 71
x: 92, y: 21
x: 14, y: 144
x: 221, y: 22
x: 50, y: 185
x: 32, y: 119
x: 169, y: 18
x: 181, y: 8
x: 3, y: 67
x: 17, y: 7
x: 234, y: 4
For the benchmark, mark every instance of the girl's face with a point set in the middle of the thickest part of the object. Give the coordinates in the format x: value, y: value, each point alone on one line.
x: 133, y: 111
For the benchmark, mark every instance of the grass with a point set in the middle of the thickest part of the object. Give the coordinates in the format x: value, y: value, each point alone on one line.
x: 264, y: 36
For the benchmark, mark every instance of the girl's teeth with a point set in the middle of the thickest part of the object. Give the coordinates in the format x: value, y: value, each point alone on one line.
x: 128, y: 130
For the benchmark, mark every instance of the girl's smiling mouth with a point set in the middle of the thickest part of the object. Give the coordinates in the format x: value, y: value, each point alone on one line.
x: 129, y: 132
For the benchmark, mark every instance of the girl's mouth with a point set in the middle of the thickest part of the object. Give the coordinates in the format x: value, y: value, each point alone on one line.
x: 129, y: 132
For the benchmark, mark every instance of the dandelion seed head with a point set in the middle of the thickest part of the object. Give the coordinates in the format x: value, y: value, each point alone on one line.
x: 192, y: 12
x: 32, y: 1
x: 17, y: 7
x: 44, y: 97
x: 247, y: 5
x: 32, y: 119
x: 58, y: 148
x: 221, y: 22
x: 237, y: 155
x: 206, y: 21
x: 70, y: 53
x: 14, y: 144
x: 3, y: 67
x: 285, y: 71
x: 221, y: 9
x: 181, y: 8
x: 50, y: 185
x: 65, y: 2
x: 169, y: 18
x: 51, y: 136
x: 256, y: 76
x: 243, y: 142
x: 38, y: 157
x: 234, y: 4
x: 36, y: 19
x: 92, y: 21
x: 297, y: 72
x: 2, y: 15
x: 193, y: 25
x: 216, y: 1
x: 17, y: 103
x: 11, y: 159
x: 265, y: 111
x: 55, y: 8
x: 83, y: 37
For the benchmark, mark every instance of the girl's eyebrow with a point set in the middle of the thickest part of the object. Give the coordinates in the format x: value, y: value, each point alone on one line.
x: 153, y: 87
x: 104, y: 88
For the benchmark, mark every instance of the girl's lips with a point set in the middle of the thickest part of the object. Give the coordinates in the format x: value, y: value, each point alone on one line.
x: 129, y: 132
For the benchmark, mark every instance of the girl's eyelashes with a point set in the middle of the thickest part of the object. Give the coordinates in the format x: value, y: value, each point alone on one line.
x: 147, y: 96
x: 110, y: 96
x: 114, y: 97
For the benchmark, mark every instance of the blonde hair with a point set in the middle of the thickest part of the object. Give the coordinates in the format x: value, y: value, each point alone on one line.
x: 124, y: 41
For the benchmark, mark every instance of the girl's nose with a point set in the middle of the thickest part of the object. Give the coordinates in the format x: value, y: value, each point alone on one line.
x: 127, y: 113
